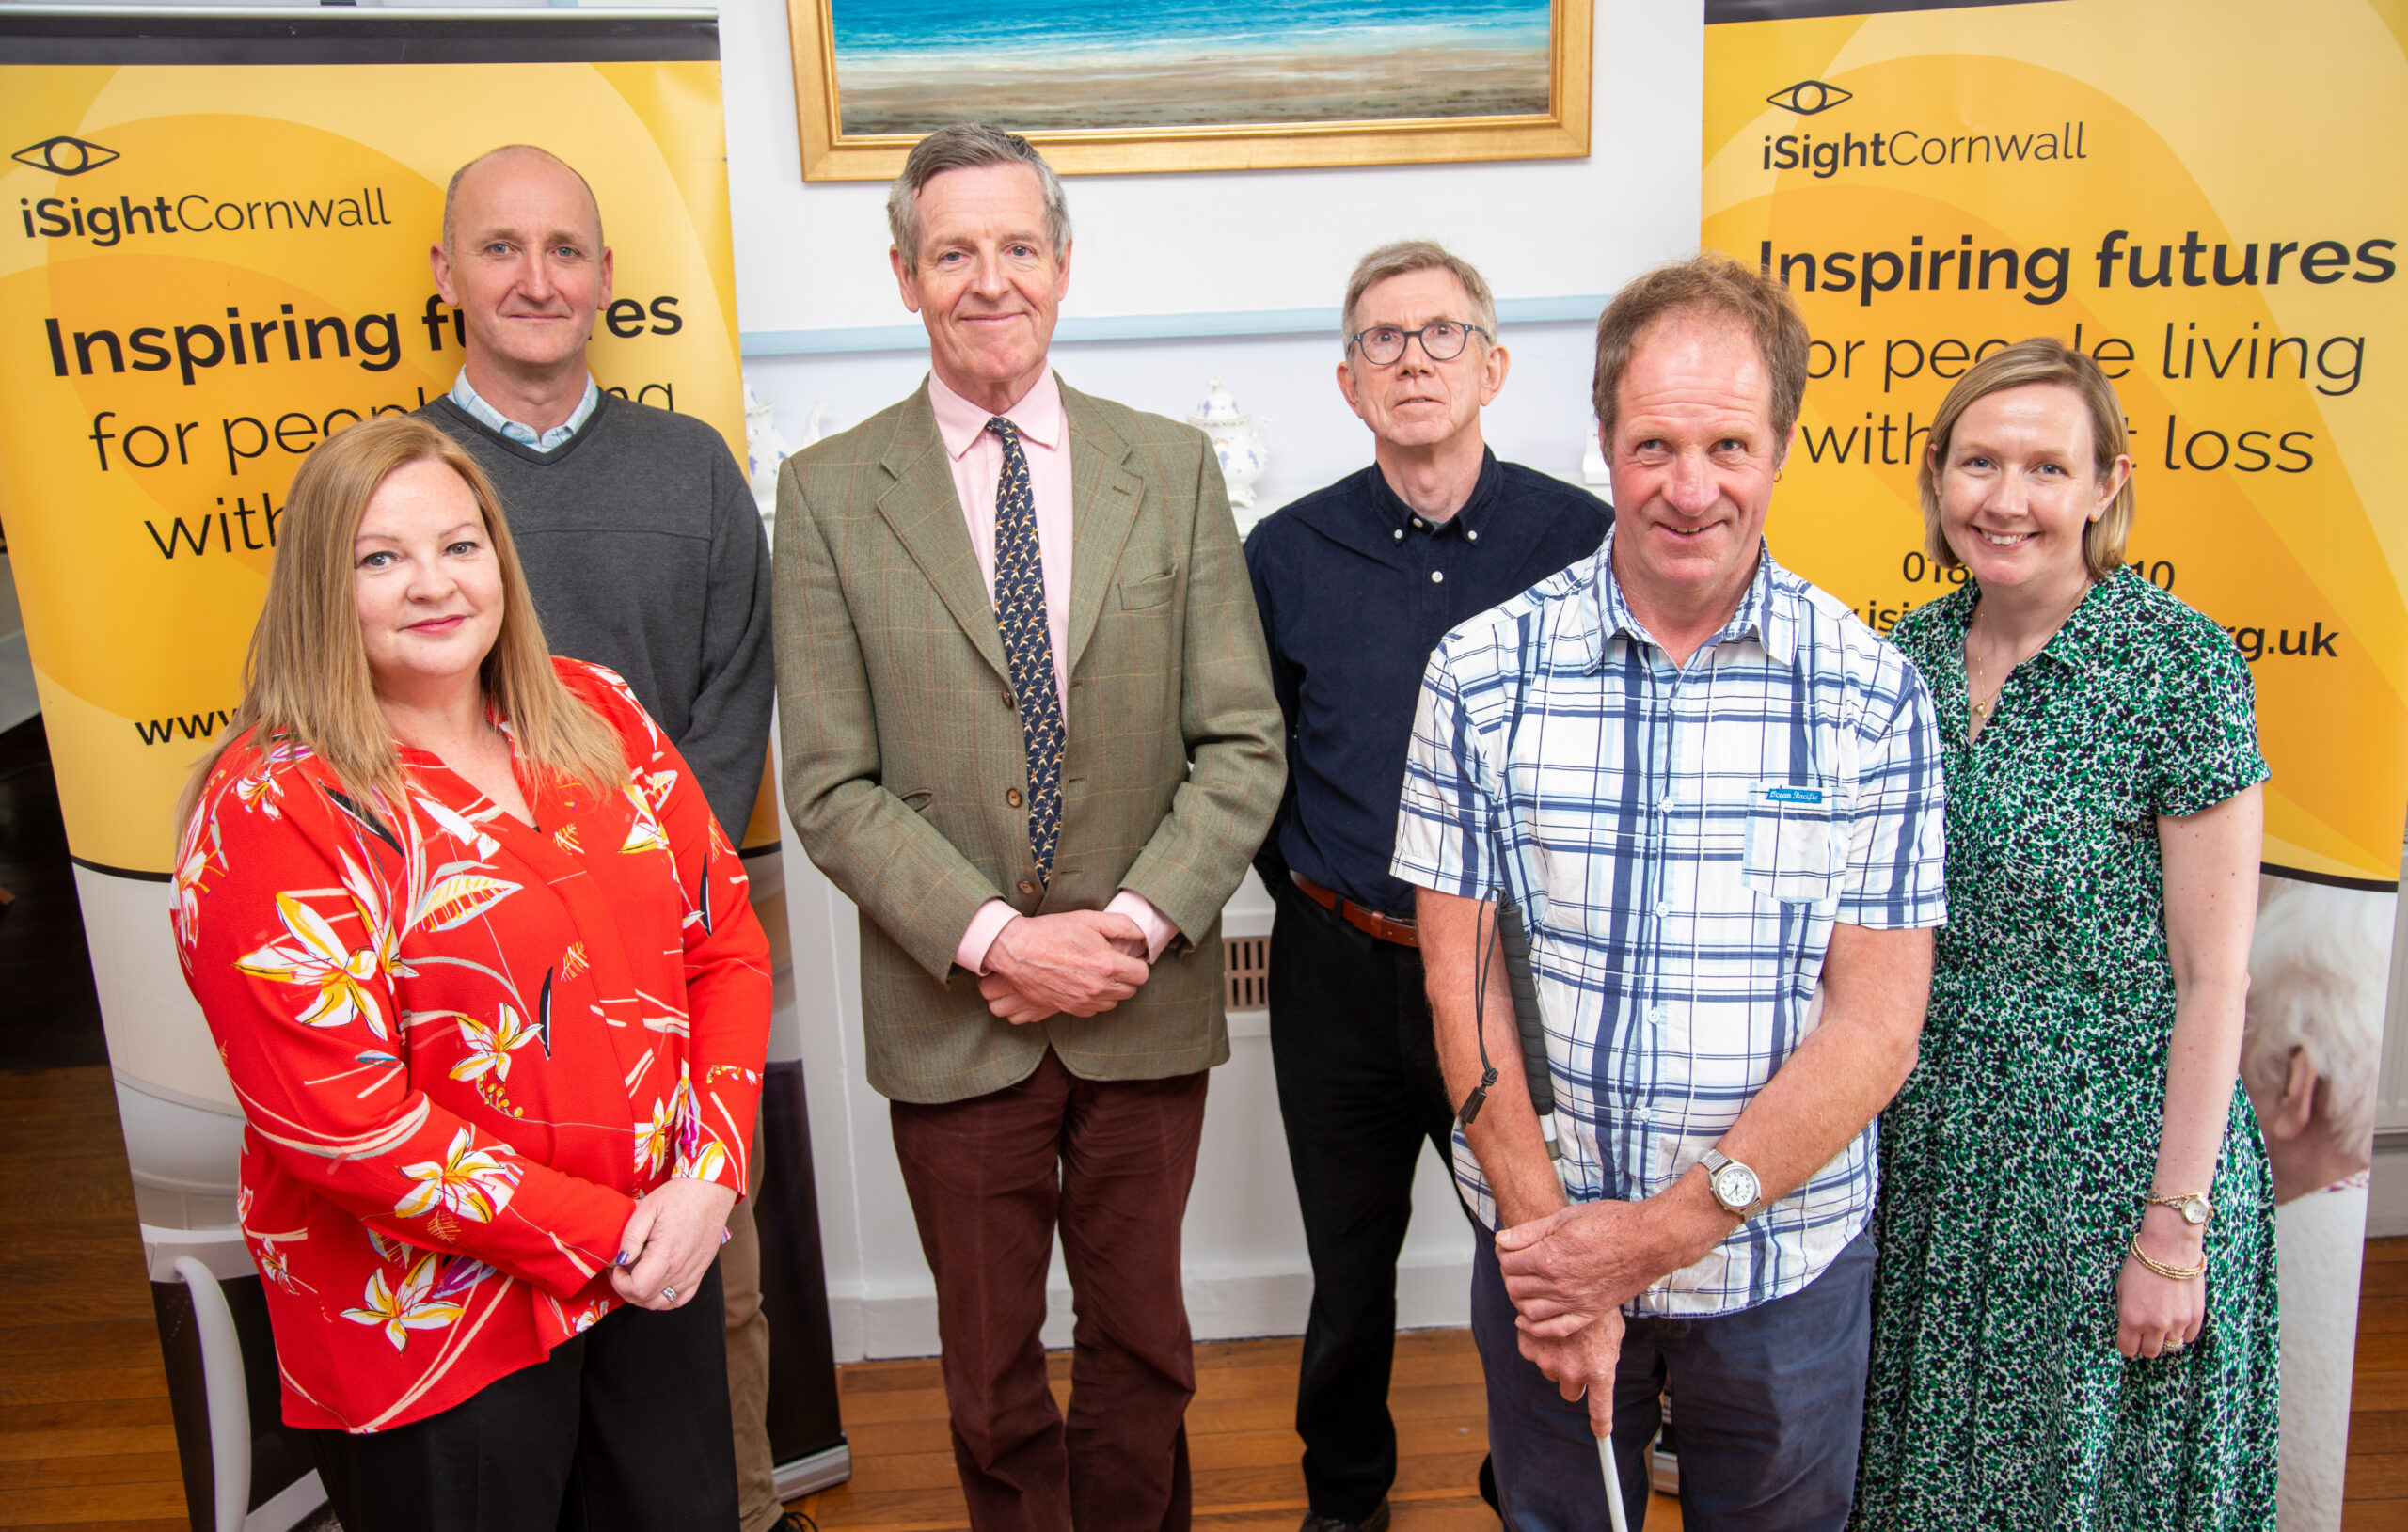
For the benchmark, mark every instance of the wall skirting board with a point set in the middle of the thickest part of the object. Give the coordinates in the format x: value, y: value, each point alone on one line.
x: 1221, y: 1305
x: 2387, y: 1206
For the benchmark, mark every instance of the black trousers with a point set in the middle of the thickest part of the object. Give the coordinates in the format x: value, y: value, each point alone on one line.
x: 623, y: 1429
x: 1359, y: 1092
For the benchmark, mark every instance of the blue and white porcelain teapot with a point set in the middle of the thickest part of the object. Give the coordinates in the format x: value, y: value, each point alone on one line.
x: 1237, y: 441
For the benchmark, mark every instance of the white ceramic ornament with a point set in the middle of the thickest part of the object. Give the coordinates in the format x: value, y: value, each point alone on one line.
x: 1237, y: 441
x: 764, y: 449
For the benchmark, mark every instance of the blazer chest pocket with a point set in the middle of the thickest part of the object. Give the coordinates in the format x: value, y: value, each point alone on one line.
x: 1796, y: 847
x: 1152, y: 590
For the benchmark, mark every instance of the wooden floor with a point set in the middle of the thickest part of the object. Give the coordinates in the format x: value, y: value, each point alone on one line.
x: 1243, y: 1450
x: 2377, y: 1493
x: 84, y: 1435
x: 85, y: 1443
x: 1245, y: 1455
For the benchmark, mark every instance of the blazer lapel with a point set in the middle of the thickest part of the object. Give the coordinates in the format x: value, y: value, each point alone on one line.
x: 925, y: 514
x: 1104, y: 496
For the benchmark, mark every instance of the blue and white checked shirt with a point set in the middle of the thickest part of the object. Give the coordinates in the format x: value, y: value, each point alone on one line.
x: 1682, y: 841
x: 466, y: 397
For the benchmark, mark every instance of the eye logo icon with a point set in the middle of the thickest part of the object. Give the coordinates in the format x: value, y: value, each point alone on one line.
x: 1808, y: 97
x: 63, y: 155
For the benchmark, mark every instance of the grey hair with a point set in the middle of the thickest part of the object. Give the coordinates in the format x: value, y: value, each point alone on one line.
x: 2318, y: 976
x: 961, y: 147
x: 1406, y: 257
x: 452, y: 189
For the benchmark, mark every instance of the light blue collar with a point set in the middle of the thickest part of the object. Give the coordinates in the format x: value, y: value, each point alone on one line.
x: 469, y: 399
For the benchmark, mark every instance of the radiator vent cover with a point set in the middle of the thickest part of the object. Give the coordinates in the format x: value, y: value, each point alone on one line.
x: 1246, y: 972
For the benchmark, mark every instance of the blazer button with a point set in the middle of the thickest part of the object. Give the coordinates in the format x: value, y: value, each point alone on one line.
x: 1011, y: 796
x: 1027, y: 887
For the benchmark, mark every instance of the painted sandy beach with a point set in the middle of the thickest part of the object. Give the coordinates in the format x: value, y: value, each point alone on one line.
x: 908, y: 66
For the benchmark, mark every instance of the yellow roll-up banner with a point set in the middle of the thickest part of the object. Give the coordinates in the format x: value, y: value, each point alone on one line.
x: 214, y: 254
x: 2203, y: 197
x: 207, y: 267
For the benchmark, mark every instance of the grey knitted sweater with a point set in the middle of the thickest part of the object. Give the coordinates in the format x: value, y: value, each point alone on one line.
x: 643, y: 546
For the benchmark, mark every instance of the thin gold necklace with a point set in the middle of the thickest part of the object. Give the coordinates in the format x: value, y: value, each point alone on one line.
x: 1973, y: 665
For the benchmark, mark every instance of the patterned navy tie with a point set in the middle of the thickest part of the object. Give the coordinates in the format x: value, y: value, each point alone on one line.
x: 1020, y: 616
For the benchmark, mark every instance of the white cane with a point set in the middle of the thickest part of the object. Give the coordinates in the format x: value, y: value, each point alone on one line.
x: 1514, y: 942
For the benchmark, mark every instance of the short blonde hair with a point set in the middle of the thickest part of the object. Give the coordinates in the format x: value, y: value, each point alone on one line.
x: 2040, y: 360
x: 307, y: 678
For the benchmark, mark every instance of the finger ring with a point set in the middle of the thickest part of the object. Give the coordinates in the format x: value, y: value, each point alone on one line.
x: 670, y: 1294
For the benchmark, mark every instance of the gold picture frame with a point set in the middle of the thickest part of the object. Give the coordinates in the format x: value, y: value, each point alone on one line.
x: 1561, y: 132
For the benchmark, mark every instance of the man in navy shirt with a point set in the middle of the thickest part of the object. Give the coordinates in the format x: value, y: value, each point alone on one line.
x: 1357, y: 584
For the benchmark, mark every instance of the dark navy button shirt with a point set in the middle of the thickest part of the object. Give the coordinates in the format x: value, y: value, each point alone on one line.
x: 1356, y: 590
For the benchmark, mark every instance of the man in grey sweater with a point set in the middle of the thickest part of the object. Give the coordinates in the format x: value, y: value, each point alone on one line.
x: 643, y: 545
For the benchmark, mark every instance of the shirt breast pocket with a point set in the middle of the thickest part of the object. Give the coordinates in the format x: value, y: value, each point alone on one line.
x: 1796, y: 842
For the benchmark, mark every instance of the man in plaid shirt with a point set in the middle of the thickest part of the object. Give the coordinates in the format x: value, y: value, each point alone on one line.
x: 1714, y: 796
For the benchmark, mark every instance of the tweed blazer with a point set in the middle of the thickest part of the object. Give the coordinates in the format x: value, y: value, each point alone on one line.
x: 900, y: 743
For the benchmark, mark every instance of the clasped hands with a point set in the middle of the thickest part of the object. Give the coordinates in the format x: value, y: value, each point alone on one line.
x: 1568, y: 1274
x: 1081, y: 961
x: 669, y: 1242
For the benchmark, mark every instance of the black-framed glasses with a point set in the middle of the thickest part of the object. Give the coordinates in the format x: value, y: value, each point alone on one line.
x: 1442, y: 340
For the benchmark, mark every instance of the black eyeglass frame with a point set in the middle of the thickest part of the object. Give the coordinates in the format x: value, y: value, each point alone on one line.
x: 1421, y: 335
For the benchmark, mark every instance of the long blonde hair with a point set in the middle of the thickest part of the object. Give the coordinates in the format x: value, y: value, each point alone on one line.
x: 306, y: 678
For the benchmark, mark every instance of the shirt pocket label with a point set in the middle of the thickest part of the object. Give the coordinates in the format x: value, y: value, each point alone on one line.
x: 1795, y: 845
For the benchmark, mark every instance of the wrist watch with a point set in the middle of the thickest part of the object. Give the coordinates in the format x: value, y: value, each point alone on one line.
x: 2193, y: 1207
x: 1733, y: 1185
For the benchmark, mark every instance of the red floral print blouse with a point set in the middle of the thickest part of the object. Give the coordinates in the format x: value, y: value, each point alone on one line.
x: 464, y: 1047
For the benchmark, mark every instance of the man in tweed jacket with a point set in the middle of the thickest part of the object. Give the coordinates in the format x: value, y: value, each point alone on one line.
x: 1028, y: 727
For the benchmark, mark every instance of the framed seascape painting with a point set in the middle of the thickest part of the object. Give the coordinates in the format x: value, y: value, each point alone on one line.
x: 1178, y: 84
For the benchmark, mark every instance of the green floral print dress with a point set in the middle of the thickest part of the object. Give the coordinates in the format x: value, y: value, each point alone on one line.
x: 2015, y: 1161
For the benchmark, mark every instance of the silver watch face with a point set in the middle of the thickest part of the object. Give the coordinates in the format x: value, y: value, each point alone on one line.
x: 1735, y: 1186
x: 2194, y: 1210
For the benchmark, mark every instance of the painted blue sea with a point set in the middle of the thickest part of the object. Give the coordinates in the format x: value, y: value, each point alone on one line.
x: 907, y: 66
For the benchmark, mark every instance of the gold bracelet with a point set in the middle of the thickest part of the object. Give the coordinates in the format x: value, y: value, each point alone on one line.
x: 2172, y: 1273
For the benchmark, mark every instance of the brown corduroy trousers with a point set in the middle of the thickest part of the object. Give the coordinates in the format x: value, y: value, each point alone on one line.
x: 991, y: 1178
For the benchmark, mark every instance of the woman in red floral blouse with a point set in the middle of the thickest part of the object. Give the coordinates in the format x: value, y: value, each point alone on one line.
x: 484, y: 972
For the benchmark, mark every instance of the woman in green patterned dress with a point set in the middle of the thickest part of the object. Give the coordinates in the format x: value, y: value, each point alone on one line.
x: 2074, y: 1321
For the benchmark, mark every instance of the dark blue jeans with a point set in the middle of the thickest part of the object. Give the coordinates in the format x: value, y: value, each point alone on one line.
x: 1767, y: 1403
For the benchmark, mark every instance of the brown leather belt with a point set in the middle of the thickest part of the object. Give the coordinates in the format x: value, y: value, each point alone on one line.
x: 1369, y: 921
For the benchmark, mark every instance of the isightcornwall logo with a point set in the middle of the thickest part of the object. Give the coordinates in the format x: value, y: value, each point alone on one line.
x: 1808, y: 97
x: 63, y: 155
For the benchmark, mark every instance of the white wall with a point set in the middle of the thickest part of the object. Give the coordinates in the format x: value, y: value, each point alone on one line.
x: 811, y: 275
x: 815, y: 258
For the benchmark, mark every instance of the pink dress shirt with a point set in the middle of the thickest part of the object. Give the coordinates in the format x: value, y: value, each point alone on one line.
x: 977, y: 461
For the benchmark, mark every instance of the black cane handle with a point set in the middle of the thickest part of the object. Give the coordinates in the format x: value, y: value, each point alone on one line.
x: 1514, y: 941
